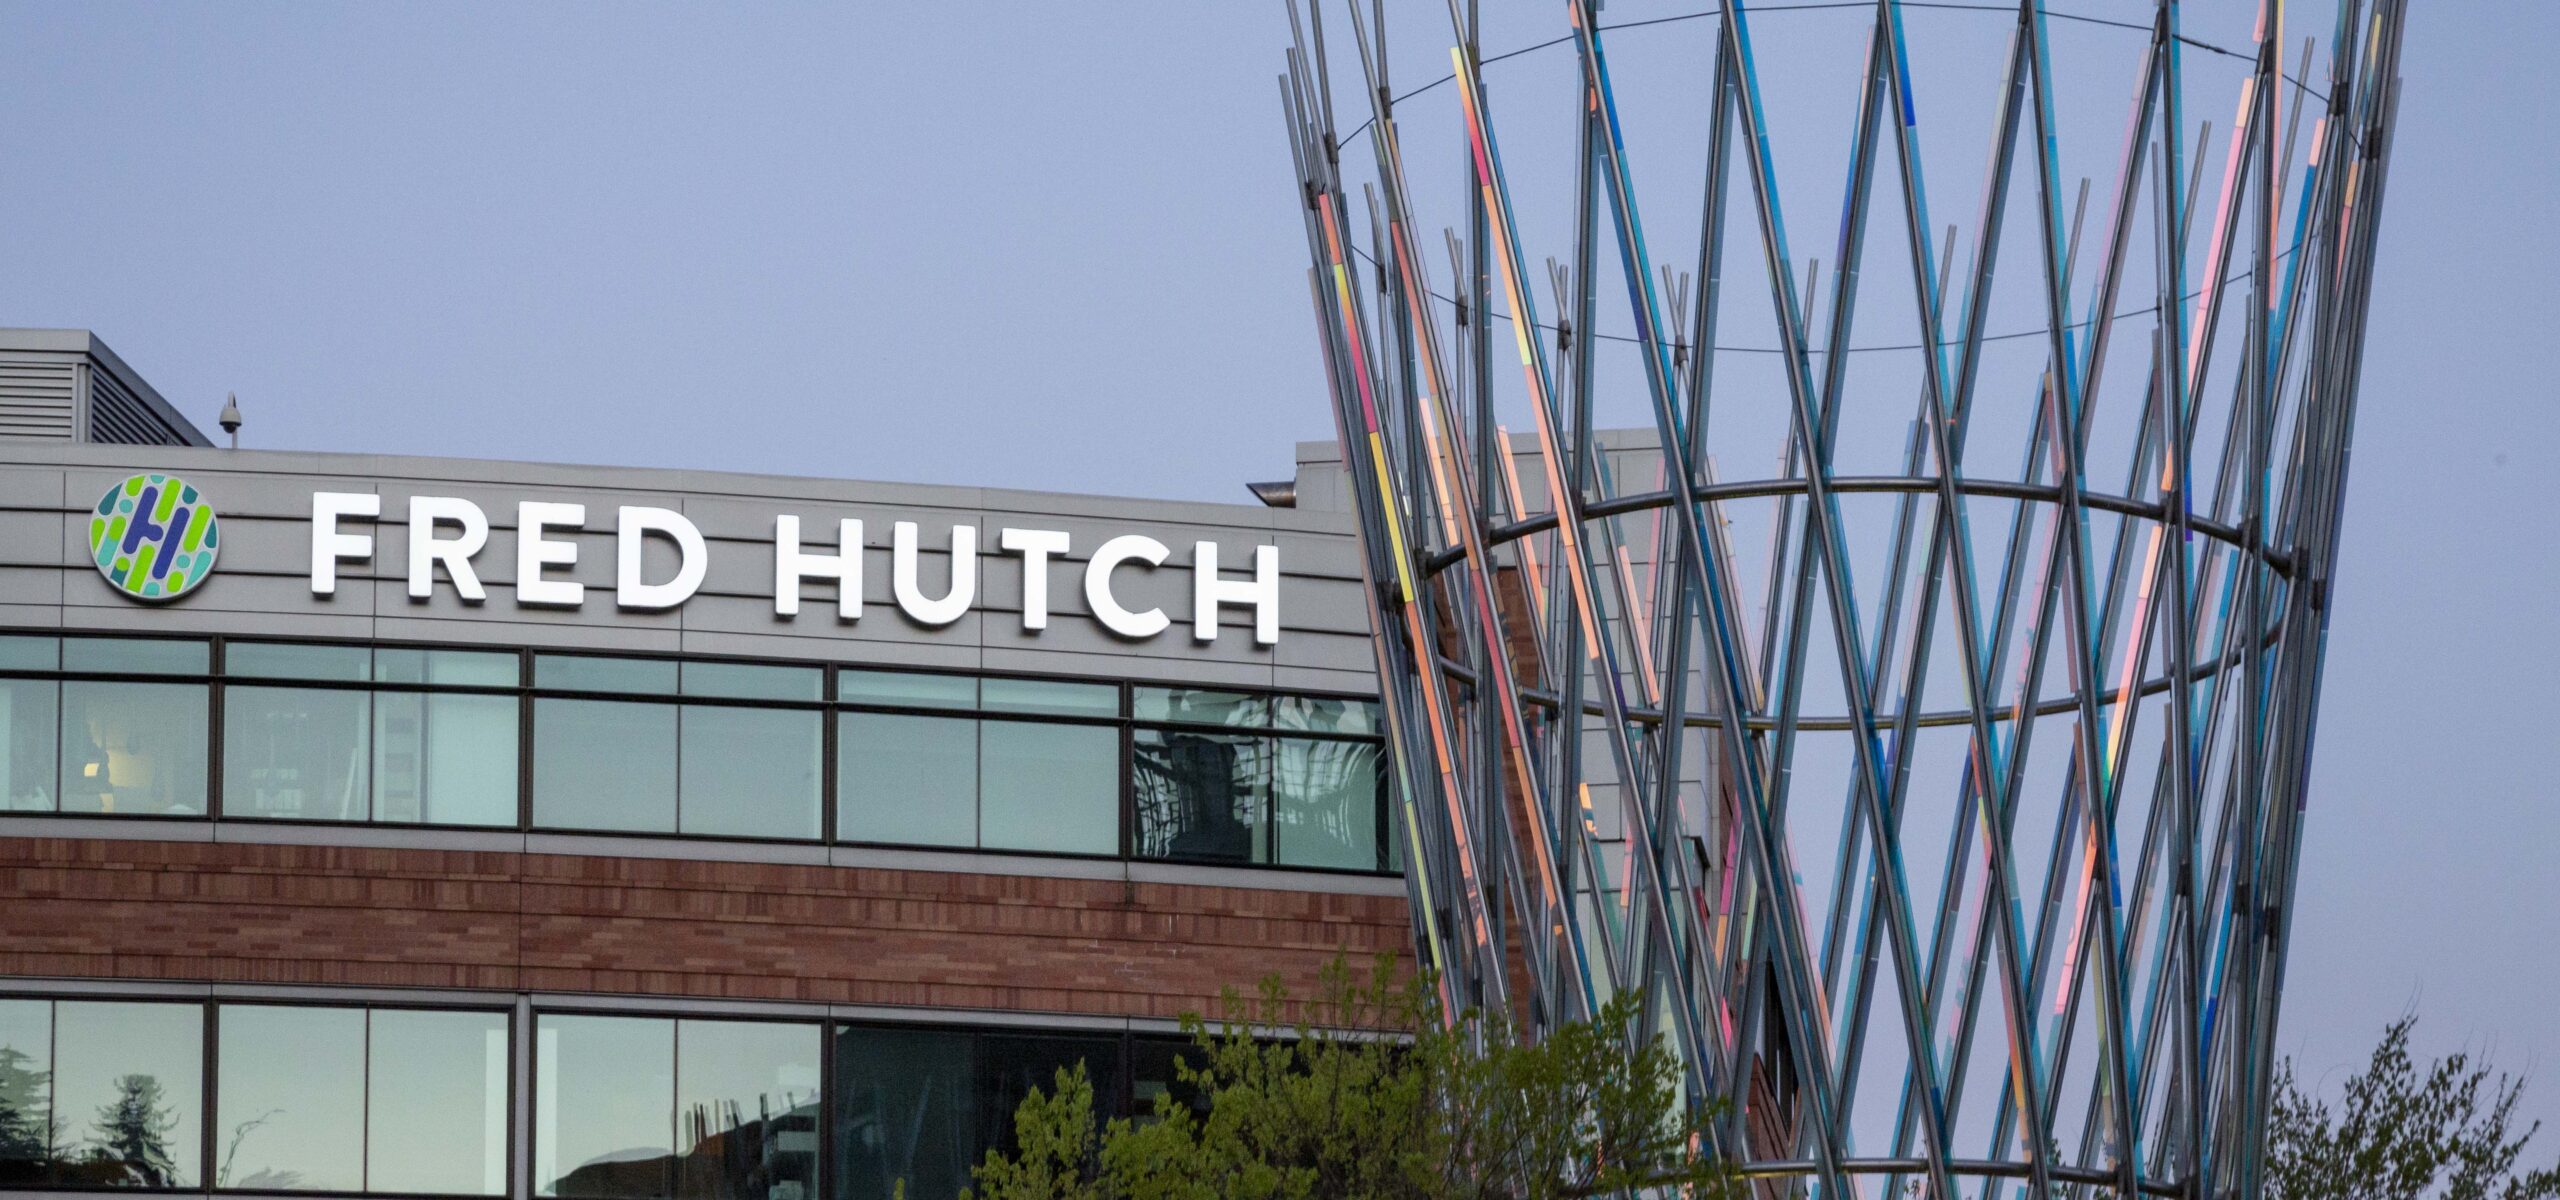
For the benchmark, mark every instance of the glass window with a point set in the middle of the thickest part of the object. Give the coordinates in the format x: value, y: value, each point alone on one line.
x: 1327, y: 714
x: 436, y: 1103
x: 629, y: 676
x: 1326, y: 812
x: 289, y: 1099
x: 1192, y: 706
x: 602, y: 764
x: 1049, y: 697
x: 746, y: 1110
x: 298, y: 753
x: 742, y: 681
x: 1202, y: 796
x: 128, y: 1093
x: 602, y: 1099
x: 30, y: 727
x: 904, y: 689
x: 133, y: 748
x: 905, y: 779
x: 136, y: 656
x: 915, y: 1109
x: 444, y: 759
x: 1049, y: 787
x: 750, y: 772
x: 30, y: 653
x: 454, y: 668
x: 280, y: 660
x: 27, y: 1127
x: 904, y: 1123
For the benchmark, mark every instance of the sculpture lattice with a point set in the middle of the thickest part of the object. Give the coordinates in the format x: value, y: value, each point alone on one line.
x: 1606, y: 737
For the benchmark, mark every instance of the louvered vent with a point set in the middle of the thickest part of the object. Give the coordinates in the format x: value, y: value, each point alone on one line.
x: 36, y: 400
x: 118, y: 417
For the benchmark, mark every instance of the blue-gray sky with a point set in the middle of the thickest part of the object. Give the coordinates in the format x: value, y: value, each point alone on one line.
x: 1057, y: 247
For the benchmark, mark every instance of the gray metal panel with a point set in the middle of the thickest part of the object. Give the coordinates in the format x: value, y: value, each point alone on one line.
x: 66, y: 385
x: 262, y: 586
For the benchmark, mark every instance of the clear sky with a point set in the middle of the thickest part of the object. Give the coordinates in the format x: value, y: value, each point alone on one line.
x: 1057, y: 247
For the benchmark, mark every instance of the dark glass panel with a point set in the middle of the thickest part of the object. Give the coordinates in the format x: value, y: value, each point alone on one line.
x: 904, y: 1114
x: 1201, y: 796
x: 1327, y: 714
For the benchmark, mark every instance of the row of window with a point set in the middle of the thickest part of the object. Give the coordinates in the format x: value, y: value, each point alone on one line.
x: 496, y: 739
x: 418, y: 1102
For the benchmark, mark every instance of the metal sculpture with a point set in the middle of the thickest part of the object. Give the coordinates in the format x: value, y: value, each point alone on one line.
x: 1600, y: 701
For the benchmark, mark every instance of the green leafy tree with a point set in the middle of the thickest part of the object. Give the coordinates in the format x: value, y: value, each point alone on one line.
x: 2400, y: 1134
x: 1380, y: 1099
x: 132, y: 1133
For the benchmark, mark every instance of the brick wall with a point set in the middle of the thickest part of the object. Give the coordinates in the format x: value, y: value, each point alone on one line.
x: 228, y: 912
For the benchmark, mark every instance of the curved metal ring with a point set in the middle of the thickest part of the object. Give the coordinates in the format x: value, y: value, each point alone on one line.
x: 1616, y: 506
x: 1986, y: 1168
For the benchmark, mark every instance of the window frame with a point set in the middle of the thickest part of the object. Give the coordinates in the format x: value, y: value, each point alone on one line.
x: 525, y: 692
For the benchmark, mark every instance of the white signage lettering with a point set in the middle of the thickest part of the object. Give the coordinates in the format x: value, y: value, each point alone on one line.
x: 426, y: 549
x: 632, y: 525
x: 447, y: 534
x: 330, y: 547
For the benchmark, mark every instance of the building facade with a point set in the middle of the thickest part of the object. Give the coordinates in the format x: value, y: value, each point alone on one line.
x: 417, y: 827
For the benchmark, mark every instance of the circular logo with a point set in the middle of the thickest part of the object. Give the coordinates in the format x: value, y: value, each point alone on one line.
x: 154, y: 537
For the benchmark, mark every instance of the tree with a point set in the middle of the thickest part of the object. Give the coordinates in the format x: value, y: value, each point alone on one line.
x: 2397, y: 1135
x: 132, y: 1132
x: 1381, y: 1100
x: 26, y: 1119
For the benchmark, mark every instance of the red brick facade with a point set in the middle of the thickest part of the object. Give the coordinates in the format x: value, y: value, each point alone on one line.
x: 324, y: 915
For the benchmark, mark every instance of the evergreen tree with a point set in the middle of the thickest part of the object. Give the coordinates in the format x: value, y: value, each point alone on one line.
x: 132, y: 1132
x: 26, y: 1119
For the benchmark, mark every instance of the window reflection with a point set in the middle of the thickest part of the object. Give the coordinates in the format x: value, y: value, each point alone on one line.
x: 1327, y: 796
x: 1202, y: 796
x: 128, y: 1093
x: 436, y: 1103
x: 30, y: 725
x: 632, y: 1108
x: 289, y: 1099
x: 27, y: 1127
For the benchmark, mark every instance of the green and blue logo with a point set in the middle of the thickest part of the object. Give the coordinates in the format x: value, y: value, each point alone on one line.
x: 154, y: 537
